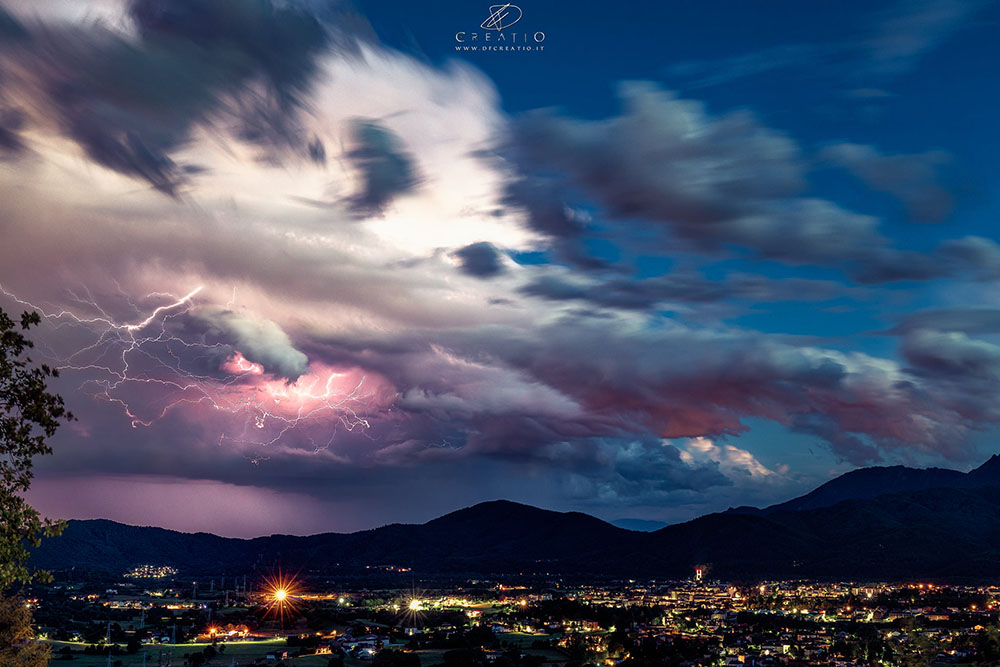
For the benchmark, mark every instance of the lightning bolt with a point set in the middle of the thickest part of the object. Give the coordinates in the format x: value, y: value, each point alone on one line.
x: 122, y: 360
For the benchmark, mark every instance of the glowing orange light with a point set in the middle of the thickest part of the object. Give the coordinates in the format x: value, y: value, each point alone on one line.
x: 280, y: 595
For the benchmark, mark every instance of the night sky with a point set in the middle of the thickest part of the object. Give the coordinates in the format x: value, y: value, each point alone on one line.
x: 308, y: 267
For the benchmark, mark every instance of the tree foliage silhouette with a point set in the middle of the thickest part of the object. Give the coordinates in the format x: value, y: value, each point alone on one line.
x: 29, y: 417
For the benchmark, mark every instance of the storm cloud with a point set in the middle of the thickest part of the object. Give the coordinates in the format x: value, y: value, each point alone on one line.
x: 261, y: 341
x: 131, y: 99
x: 910, y: 178
x: 398, y: 287
x: 480, y: 259
x: 667, y: 159
x: 385, y: 168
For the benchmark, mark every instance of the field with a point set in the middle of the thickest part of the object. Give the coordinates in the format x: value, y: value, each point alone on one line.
x: 242, y: 652
x: 522, y: 639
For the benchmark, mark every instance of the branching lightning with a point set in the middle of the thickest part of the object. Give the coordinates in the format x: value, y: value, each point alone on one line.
x: 145, y: 367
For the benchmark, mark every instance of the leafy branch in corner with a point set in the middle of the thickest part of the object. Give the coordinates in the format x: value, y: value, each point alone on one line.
x: 29, y: 417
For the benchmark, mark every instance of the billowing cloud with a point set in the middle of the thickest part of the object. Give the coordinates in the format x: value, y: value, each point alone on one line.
x: 910, y: 178
x: 714, y: 182
x: 973, y: 257
x: 481, y: 259
x: 980, y: 320
x: 668, y: 159
x: 261, y: 341
x: 684, y: 287
x: 334, y: 209
x: 685, y: 383
x: 386, y: 169
x: 732, y: 461
x: 952, y: 355
x: 727, y: 182
x: 130, y: 98
x: 976, y: 255
x: 642, y: 472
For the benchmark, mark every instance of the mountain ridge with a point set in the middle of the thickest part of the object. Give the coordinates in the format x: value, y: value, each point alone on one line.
x: 939, y: 531
x: 874, y: 481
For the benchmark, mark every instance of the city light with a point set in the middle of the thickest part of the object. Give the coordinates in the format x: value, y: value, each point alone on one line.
x: 413, y: 608
x: 680, y: 611
x: 280, y: 596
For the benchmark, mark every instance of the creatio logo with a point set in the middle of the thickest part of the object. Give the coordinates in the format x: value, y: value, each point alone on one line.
x: 502, y: 16
x: 493, y: 39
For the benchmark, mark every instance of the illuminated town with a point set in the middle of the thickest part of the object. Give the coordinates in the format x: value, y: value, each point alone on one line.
x: 316, y: 620
x: 151, y: 572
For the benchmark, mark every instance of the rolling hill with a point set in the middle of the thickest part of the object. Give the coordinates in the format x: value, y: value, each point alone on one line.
x: 871, y: 523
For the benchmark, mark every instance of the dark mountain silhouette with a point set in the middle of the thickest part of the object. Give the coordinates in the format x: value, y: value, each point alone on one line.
x: 870, y: 483
x: 942, y: 532
x: 877, y: 481
x: 498, y: 536
x: 987, y: 474
x: 947, y: 526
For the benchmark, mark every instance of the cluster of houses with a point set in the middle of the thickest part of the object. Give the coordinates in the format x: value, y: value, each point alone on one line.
x: 362, y: 647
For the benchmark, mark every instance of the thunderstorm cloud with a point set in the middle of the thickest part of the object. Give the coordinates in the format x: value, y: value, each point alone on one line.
x: 408, y: 281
